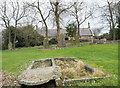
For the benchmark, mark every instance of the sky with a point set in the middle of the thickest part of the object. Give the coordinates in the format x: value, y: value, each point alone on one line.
x: 94, y: 21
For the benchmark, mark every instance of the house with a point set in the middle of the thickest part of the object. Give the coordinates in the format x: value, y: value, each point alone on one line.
x: 85, y: 33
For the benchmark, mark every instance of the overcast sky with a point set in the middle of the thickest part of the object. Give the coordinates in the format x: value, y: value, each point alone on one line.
x: 94, y: 21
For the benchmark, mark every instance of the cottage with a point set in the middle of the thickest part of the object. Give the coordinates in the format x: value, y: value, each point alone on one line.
x: 85, y: 33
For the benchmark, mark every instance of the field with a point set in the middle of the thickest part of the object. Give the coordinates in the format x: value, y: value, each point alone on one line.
x: 103, y: 57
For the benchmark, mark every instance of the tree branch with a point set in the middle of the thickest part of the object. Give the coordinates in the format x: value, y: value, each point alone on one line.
x: 86, y: 18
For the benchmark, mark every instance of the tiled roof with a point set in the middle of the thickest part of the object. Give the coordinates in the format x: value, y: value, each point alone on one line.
x: 85, y: 32
x: 53, y: 32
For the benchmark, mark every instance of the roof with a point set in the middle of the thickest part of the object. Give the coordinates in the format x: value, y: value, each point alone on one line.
x: 53, y: 32
x: 86, y: 32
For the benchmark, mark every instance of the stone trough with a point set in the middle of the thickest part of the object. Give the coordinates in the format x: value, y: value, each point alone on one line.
x: 44, y: 70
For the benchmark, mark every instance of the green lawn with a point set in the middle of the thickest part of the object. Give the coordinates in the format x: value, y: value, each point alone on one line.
x: 103, y: 57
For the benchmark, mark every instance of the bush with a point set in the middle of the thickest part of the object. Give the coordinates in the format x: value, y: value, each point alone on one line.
x: 29, y: 37
x: 25, y: 36
x: 5, y: 37
x: 53, y: 41
x: 84, y: 40
x: 66, y: 38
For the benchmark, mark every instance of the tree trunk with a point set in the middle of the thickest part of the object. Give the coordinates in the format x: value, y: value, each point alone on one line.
x: 9, y: 41
x: 58, y: 30
x: 111, y: 17
x: 78, y: 30
x: 57, y: 23
x: 46, y: 44
x: 114, y: 35
x: 14, y: 41
x: 78, y: 33
x: 110, y: 26
x: 9, y: 35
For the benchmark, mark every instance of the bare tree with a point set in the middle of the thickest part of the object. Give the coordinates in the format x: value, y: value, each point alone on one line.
x: 77, y: 12
x: 109, y: 14
x: 97, y: 31
x: 111, y: 18
x: 118, y: 17
x: 118, y: 6
x: 58, y: 8
x: 6, y: 16
x: 46, y: 44
x: 20, y: 13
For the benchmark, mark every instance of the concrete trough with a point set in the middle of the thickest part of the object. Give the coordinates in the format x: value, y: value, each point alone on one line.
x: 44, y: 70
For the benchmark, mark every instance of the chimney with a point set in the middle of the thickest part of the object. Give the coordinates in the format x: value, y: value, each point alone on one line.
x: 88, y: 25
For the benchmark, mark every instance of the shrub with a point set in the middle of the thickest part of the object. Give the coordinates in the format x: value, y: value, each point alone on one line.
x: 84, y: 40
x: 66, y: 38
x: 25, y: 36
x: 5, y: 34
x: 53, y: 41
x: 29, y: 37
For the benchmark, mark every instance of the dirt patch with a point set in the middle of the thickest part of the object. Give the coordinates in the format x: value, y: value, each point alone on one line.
x: 44, y: 49
x: 51, y: 48
x: 7, y: 80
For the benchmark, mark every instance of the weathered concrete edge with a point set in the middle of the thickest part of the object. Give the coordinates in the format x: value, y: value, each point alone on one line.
x: 85, y: 79
x: 30, y: 66
x: 33, y: 83
x: 66, y: 58
x: 53, y: 62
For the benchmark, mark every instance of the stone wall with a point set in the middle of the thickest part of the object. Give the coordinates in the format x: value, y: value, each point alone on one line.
x: 101, y: 41
x: 104, y: 41
x: 87, y: 38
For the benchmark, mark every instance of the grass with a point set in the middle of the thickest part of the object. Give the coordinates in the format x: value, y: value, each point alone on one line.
x: 69, y: 44
x: 103, y: 57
